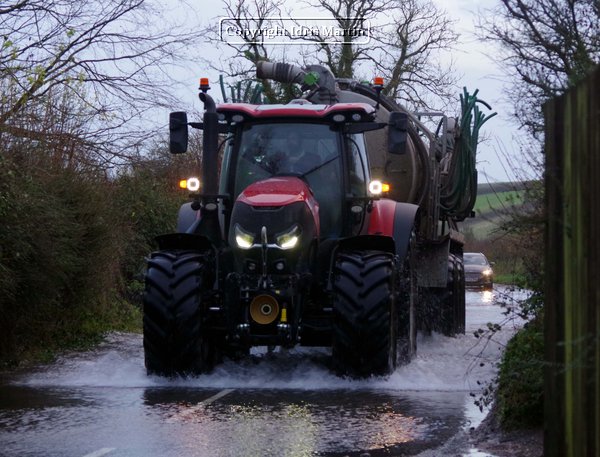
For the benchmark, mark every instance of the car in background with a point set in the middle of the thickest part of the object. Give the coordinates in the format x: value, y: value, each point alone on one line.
x: 478, y: 271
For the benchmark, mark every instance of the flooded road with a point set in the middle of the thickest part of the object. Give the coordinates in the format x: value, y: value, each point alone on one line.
x: 272, y: 404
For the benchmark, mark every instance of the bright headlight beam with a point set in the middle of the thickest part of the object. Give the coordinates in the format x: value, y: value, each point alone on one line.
x: 193, y: 184
x: 290, y: 243
x: 243, y: 242
x: 375, y: 187
x: 243, y: 239
x: 289, y: 239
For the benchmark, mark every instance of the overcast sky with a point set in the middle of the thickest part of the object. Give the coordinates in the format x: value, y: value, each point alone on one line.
x: 473, y: 61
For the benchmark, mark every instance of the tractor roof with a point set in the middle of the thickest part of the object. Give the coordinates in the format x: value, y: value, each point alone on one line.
x: 296, y: 109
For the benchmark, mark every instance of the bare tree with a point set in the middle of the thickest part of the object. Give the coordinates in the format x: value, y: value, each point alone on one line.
x: 548, y: 46
x: 410, y: 54
x: 108, y: 54
x: 249, y: 18
x: 343, y: 53
x: 405, y: 39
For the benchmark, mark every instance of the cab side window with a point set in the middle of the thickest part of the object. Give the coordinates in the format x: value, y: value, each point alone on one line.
x: 356, y: 165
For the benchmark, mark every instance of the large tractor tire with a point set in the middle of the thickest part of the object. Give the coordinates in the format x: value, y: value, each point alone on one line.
x: 453, y: 311
x: 444, y: 308
x: 175, y: 342
x: 364, y: 317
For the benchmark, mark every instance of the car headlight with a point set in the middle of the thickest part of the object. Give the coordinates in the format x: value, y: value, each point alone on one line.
x: 244, y: 240
x: 289, y: 239
x: 487, y: 272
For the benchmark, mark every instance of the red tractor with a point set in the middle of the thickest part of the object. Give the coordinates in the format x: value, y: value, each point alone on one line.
x: 295, y: 243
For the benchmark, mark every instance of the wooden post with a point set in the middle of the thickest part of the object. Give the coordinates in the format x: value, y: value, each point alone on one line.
x: 572, y: 309
x: 554, y: 443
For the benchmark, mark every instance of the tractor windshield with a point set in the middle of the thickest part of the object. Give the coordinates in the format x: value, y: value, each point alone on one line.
x: 310, y: 151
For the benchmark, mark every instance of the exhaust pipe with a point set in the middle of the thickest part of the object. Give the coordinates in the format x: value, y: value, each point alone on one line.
x: 280, y: 72
x: 210, y: 145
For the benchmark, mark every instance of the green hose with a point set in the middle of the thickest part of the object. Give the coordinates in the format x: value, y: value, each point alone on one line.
x: 252, y: 93
x: 459, y: 188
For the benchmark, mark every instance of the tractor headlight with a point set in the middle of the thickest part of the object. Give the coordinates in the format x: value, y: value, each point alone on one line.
x: 192, y: 184
x: 289, y: 239
x: 377, y: 187
x: 243, y: 239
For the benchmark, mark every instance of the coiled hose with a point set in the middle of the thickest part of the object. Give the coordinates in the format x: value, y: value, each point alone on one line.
x: 459, y: 187
x: 252, y: 93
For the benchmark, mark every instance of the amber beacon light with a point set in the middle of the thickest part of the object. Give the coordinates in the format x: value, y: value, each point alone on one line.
x: 204, y: 84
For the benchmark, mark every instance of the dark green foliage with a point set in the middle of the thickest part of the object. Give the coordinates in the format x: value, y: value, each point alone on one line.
x: 520, y: 380
x: 148, y: 202
x: 72, y: 248
x: 516, y: 247
x: 58, y: 252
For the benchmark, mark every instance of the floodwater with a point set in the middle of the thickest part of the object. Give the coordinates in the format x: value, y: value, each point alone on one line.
x: 285, y: 403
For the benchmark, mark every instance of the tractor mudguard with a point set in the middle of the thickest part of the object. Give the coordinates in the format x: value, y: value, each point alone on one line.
x: 194, y: 222
x: 183, y: 241
x: 368, y: 243
x: 396, y: 220
x: 432, y: 260
x: 186, y: 218
x: 432, y: 264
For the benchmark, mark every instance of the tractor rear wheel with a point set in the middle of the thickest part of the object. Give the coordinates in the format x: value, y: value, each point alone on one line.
x: 453, y: 311
x: 459, y: 304
x: 175, y: 342
x: 364, y: 318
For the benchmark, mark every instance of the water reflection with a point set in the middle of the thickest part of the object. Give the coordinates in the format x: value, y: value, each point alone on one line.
x: 487, y: 296
x: 301, y: 423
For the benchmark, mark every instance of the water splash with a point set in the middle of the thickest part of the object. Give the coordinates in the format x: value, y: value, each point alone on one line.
x: 441, y: 364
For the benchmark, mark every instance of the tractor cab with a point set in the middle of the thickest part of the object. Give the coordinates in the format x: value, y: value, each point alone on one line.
x: 322, y: 146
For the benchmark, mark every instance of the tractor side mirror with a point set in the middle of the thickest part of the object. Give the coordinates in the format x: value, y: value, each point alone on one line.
x: 397, y: 132
x: 178, y: 132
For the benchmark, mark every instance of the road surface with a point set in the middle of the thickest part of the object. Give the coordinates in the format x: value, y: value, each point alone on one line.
x: 102, y: 403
